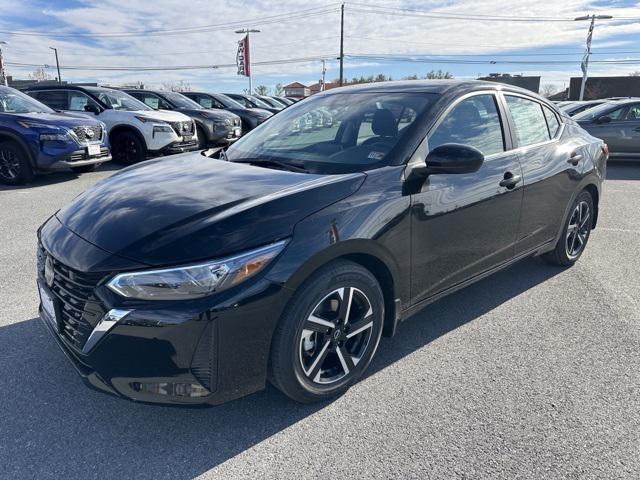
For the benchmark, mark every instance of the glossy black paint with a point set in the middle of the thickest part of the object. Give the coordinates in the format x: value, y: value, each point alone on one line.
x: 422, y: 235
x: 251, y: 117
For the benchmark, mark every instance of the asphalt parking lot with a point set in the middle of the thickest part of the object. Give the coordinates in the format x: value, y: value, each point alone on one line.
x: 532, y: 373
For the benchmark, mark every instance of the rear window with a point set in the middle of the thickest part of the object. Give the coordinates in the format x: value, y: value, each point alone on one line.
x: 530, y: 122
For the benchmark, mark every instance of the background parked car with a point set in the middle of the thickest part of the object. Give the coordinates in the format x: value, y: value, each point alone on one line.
x: 284, y: 100
x: 35, y: 138
x: 214, y: 127
x: 250, y: 117
x: 135, y: 130
x: 272, y: 102
x: 574, y: 108
x: 251, y: 101
x: 617, y: 123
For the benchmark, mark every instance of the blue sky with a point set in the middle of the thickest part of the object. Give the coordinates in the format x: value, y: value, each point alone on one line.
x: 312, y: 34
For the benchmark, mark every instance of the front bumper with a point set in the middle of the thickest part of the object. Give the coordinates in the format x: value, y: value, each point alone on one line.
x: 221, y: 134
x: 205, y: 351
x: 179, y: 146
x: 58, y: 158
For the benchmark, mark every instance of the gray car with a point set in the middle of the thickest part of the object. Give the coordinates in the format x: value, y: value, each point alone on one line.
x: 617, y: 123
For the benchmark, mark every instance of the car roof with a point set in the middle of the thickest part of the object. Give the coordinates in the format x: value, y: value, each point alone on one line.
x: 426, y: 86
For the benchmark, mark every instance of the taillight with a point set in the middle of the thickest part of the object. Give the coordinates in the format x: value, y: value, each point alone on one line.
x: 605, y: 150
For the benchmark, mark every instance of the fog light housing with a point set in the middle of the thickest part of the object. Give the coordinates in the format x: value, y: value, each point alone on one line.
x: 170, y: 389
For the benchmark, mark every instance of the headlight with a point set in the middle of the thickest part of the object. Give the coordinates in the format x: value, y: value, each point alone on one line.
x: 54, y: 137
x: 194, y: 281
x: 162, y: 129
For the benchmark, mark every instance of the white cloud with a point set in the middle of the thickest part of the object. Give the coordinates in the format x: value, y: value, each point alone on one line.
x: 312, y: 36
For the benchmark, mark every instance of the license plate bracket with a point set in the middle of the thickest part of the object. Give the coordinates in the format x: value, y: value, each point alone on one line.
x: 50, y: 308
x: 93, y: 150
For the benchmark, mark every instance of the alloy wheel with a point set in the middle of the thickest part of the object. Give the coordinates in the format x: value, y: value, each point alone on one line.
x: 336, y: 335
x: 9, y: 165
x: 578, y: 229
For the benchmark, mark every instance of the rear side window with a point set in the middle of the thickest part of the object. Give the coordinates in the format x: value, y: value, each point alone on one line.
x: 530, y: 123
x: 552, y: 121
x: 633, y: 113
x: 475, y: 122
x: 56, y: 99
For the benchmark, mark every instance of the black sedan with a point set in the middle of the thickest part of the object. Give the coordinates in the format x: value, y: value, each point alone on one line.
x: 215, y: 127
x: 251, y: 117
x: 251, y: 101
x: 286, y: 259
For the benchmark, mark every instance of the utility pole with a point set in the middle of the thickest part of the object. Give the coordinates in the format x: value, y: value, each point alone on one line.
x: 248, y: 52
x: 3, y: 72
x: 587, y: 52
x: 341, y: 44
x: 57, y: 64
x: 324, y: 71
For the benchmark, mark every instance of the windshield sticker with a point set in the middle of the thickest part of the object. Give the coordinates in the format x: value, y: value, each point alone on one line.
x: 376, y: 155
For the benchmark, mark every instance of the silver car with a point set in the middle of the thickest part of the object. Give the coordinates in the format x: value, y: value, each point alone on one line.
x: 617, y: 123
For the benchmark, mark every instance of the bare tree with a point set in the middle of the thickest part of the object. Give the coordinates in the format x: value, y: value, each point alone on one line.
x: 635, y: 74
x: 262, y: 90
x: 40, y: 75
x: 549, y: 89
x: 180, y: 86
x: 438, y: 75
x: 278, y: 90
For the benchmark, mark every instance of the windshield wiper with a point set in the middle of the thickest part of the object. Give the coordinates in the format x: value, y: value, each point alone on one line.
x: 294, y: 167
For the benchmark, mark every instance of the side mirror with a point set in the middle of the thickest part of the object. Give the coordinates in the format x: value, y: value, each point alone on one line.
x: 604, y: 119
x: 90, y: 107
x: 454, y: 158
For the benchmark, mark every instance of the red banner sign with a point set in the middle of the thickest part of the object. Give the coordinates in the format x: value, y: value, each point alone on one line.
x: 242, y: 58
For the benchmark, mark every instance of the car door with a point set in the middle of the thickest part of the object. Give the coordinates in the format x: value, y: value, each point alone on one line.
x: 610, y: 127
x: 465, y: 224
x: 551, y: 169
x: 629, y: 141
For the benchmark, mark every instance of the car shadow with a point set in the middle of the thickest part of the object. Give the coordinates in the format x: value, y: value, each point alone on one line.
x: 53, y: 426
x: 623, y: 170
x: 52, y: 178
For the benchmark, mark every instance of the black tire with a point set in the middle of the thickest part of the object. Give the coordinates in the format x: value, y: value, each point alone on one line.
x: 302, y: 348
x: 127, y: 148
x: 575, y: 232
x: 15, y: 168
x: 202, y: 139
x: 86, y: 168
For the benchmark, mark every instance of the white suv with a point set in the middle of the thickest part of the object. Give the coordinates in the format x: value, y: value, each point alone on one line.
x: 135, y: 130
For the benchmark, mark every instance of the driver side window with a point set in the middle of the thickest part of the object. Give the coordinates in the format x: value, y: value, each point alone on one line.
x: 475, y: 122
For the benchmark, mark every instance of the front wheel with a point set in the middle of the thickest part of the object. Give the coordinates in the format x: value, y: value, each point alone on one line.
x: 127, y: 148
x: 14, y: 164
x: 575, y: 233
x: 328, y: 333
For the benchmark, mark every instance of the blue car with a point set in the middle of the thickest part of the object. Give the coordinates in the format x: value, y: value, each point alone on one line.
x: 34, y: 138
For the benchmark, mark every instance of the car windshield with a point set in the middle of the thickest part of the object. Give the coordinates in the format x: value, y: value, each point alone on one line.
x: 336, y: 133
x: 228, y: 102
x: 119, y: 100
x: 596, y: 111
x: 271, y: 102
x: 180, y: 101
x: 13, y: 101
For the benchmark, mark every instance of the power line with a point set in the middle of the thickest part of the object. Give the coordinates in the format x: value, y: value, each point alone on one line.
x: 455, y: 61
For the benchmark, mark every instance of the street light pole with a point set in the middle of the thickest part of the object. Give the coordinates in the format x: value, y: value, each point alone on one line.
x: 342, y: 44
x: 57, y: 64
x: 587, y: 52
x: 3, y: 72
x: 248, y: 31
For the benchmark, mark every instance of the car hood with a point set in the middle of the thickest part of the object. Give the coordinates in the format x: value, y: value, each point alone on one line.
x: 57, y: 119
x: 164, y: 115
x: 260, y: 112
x: 212, y: 114
x: 191, y: 207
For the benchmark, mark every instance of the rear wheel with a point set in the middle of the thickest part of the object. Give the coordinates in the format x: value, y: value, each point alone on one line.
x: 86, y: 168
x: 328, y: 334
x: 15, y: 168
x: 127, y: 148
x: 575, y: 233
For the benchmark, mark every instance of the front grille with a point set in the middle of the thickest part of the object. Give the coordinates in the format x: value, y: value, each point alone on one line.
x: 87, y: 134
x: 80, y: 310
x: 182, y: 128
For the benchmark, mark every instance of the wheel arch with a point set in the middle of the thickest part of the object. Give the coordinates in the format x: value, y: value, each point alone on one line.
x: 371, y: 256
x: 595, y: 195
x: 123, y: 127
x: 13, y: 137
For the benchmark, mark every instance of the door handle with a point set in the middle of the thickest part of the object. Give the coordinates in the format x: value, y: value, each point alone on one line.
x: 510, y: 180
x: 574, y: 159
